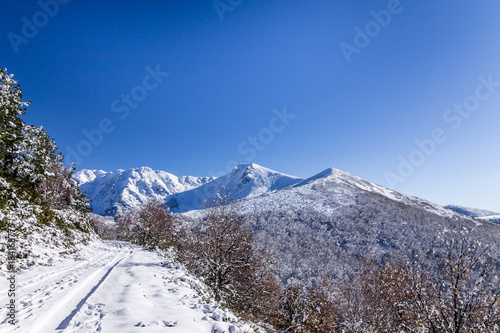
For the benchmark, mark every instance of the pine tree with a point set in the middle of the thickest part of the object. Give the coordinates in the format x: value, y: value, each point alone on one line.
x: 13, y: 164
x: 36, y: 188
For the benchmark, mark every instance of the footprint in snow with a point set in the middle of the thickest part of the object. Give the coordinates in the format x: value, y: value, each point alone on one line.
x: 124, y: 312
x: 157, y: 323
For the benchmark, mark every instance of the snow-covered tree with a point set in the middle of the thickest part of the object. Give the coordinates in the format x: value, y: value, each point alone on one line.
x: 220, y: 250
x: 37, y: 194
x: 29, y: 160
x: 14, y: 159
x: 149, y: 225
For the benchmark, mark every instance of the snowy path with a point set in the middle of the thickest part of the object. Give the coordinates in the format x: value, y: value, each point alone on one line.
x: 117, y: 287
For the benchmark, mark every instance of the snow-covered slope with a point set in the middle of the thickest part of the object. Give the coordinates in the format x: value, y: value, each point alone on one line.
x: 480, y: 214
x: 322, y: 225
x: 243, y: 182
x: 113, y: 287
x: 111, y: 192
x: 257, y: 189
x: 472, y: 212
x: 330, y: 190
x: 491, y: 218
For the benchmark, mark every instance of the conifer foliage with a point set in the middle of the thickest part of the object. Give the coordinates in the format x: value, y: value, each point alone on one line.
x: 36, y: 188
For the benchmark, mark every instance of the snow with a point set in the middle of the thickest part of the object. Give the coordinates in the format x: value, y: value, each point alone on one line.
x: 328, y: 192
x: 491, y: 218
x: 257, y: 189
x: 113, y: 286
x: 111, y: 192
x: 472, y: 212
x: 479, y: 214
x: 243, y: 182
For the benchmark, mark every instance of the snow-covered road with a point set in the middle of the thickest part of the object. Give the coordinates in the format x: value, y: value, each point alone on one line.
x: 112, y: 287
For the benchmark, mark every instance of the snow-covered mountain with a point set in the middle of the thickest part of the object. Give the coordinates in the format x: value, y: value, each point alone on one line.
x: 311, y: 228
x: 472, y: 212
x: 330, y: 190
x: 481, y: 214
x: 257, y: 189
x: 321, y: 226
x: 243, y: 182
x: 111, y: 192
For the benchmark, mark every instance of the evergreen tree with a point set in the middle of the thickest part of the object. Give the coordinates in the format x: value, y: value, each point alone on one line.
x: 35, y: 185
x: 13, y: 164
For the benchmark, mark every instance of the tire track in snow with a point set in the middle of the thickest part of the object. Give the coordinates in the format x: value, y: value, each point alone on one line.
x: 64, y: 324
x: 30, y: 285
x: 45, y: 278
x: 54, y: 319
x: 37, y: 293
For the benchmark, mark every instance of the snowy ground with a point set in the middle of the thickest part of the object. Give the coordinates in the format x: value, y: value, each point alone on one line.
x: 111, y: 287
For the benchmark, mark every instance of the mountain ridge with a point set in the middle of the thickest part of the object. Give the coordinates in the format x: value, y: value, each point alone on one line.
x: 245, y: 181
x: 319, y: 226
x: 480, y: 214
x: 116, y: 191
x: 254, y: 187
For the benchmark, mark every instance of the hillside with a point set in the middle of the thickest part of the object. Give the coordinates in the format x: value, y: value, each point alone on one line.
x: 324, y: 224
x: 243, y: 182
x: 480, y: 214
x: 41, y: 206
x: 112, y: 192
x: 114, y: 286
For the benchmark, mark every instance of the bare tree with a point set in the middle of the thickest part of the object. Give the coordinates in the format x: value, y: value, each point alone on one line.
x: 454, y: 289
x: 150, y: 225
x: 104, y: 226
x: 463, y: 293
x: 126, y: 229
x: 224, y: 249
x: 221, y: 252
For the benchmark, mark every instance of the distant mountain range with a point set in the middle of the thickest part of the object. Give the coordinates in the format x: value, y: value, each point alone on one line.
x: 113, y: 192
x: 311, y: 227
x: 480, y: 214
x: 256, y: 188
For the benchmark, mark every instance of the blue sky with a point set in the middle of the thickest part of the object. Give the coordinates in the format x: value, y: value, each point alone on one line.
x: 296, y: 86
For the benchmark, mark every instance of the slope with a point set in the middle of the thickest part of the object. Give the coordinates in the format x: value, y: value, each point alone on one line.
x: 112, y: 192
x: 330, y: 190
x: 244, y: 181
x: 480, y: 214
x: 325, y: 224
x: 472, y: 212
x: 110, y: 287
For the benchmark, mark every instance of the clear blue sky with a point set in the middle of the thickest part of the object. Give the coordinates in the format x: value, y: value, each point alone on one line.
x: 359, y: 100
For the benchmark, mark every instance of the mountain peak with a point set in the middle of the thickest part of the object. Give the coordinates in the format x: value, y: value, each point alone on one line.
x: 145, y: 169
x: 323, y: 174
x: 248, y: 167
x: 246, y: 180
